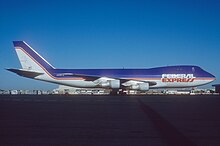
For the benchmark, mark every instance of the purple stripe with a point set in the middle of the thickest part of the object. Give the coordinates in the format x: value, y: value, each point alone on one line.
x: 119, y: 73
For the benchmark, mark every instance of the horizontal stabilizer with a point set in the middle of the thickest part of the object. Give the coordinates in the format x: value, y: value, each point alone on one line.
x: 25, y: 73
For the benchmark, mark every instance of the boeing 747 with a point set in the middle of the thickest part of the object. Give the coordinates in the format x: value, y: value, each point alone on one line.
x: 36, y: 67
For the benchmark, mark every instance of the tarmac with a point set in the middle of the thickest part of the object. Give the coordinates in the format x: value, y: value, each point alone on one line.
x: 110, y: 120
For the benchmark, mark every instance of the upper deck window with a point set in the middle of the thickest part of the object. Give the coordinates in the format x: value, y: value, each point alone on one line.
x: 179, y: 69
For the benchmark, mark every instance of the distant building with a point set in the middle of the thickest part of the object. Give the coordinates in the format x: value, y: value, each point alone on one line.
x: 72, y: 90
x: 217, y: 88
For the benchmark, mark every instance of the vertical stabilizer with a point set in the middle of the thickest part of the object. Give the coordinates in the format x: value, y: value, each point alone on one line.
x: 29, y: 58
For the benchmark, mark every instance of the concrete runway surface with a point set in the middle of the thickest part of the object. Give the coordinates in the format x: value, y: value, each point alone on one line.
x: 110, y: 120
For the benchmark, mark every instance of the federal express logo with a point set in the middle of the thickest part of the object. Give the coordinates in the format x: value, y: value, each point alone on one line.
x: 177, y: 78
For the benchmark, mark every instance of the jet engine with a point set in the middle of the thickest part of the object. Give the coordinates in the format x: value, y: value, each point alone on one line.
x: 114, y: 84
x: 140, y: 86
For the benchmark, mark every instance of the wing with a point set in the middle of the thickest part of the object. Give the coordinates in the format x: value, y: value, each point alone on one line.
x: 95, y: 78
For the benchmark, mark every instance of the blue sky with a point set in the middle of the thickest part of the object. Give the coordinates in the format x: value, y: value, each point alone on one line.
x: 110, y: 34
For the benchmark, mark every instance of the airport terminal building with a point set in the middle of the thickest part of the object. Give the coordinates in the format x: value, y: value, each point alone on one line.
x: 217, y: 88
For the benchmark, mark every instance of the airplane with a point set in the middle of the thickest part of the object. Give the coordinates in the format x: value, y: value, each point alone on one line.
x: 34, y: 66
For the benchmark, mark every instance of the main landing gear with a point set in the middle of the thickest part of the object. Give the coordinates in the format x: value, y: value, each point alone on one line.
x: 117, y: 92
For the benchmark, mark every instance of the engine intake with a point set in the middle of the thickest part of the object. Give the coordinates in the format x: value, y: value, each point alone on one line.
x: 140, y: 86
x: 113, y: 84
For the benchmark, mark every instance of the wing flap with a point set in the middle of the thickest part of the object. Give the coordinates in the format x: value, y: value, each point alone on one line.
x: 86, y: 77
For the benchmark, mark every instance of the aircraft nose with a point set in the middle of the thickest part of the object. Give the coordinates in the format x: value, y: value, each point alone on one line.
x: 212, y: 77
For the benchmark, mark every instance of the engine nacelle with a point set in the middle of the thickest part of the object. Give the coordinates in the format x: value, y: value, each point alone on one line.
x: 140, y: 86
x: 113, y: 84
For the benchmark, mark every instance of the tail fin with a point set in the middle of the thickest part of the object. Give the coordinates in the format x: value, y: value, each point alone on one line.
x: 29, y: 58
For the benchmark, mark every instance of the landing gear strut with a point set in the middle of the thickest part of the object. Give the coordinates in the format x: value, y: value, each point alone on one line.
x: 118, y: 92
x: 114, y: 92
